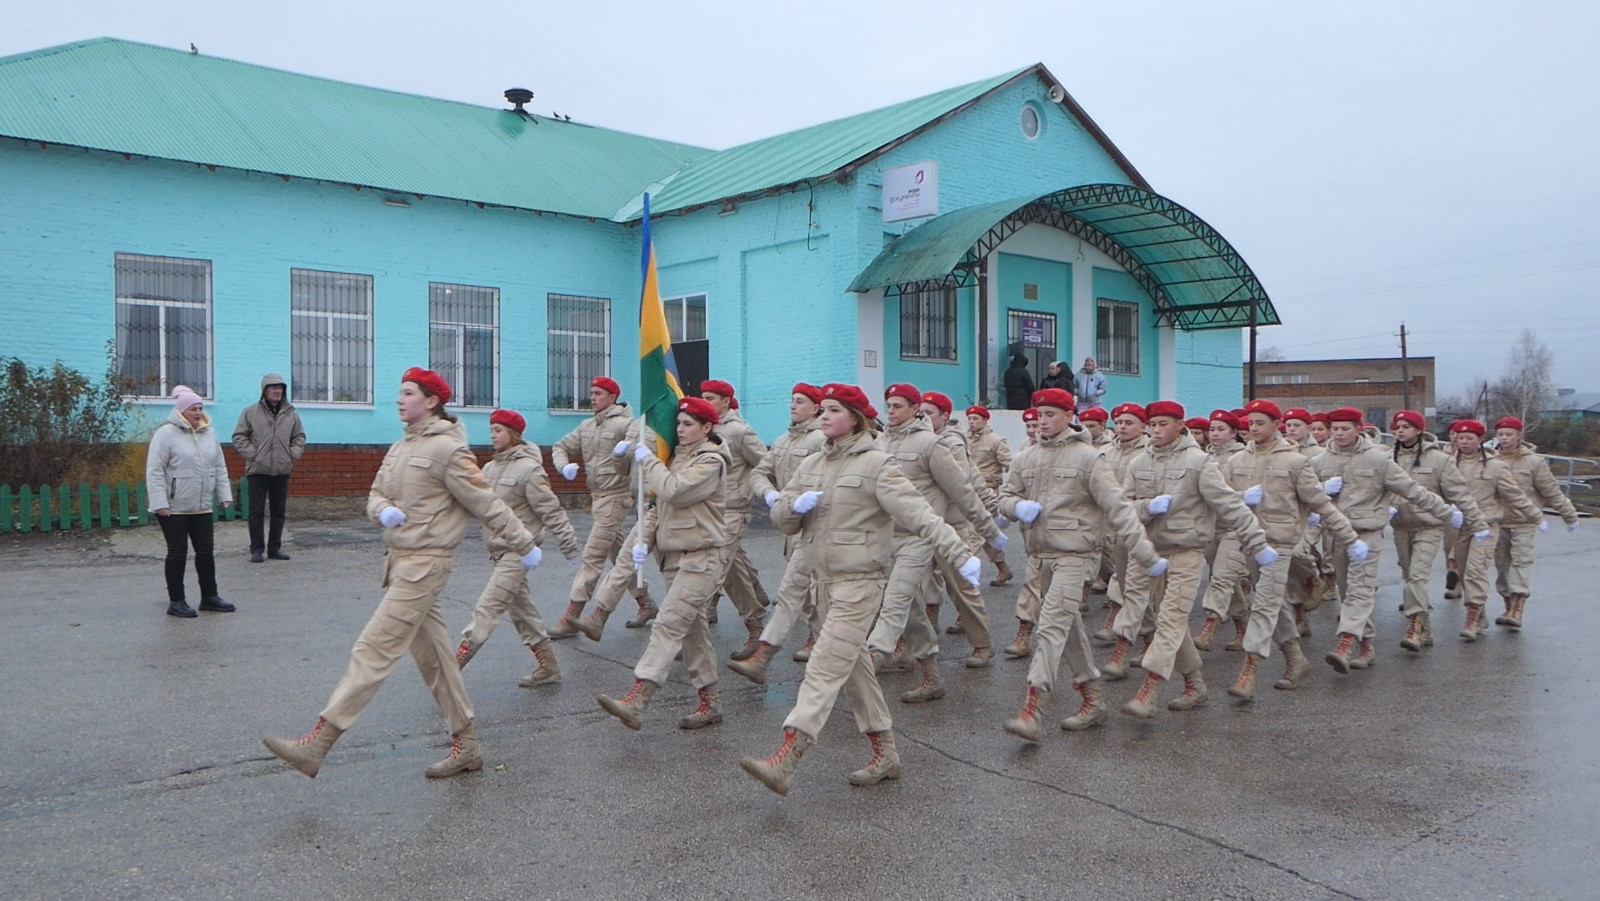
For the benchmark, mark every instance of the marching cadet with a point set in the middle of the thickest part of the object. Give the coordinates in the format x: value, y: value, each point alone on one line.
x: 803, y: 439
x: 847, y: 503
x: 991, y: 457
x: 426, y: 489
x: 1513, y: 555
x: 1064, y: 493
x: 599, y: 447
x: 1180, y: 494
x: 516, y: 474
x: 1199, y: 429
x: 1227, y: 594
x: 1361, y: 475
x: 1128, y: 422
x: 1418, y: 536
x: 1094, y: 421
x: 687, y: 528
x: 1305, y: 571
x: 1494, y: 487
x: 1032, y: 594
x: 1319, y: 429
x: 1281, y: 487
x: 741, y: 582
x: 936, y: 408
x: 1030, y: 424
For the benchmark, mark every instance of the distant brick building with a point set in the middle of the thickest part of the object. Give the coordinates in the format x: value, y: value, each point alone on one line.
x: 1373, y: 385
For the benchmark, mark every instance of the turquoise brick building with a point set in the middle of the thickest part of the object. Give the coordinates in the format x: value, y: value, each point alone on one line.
x: 214, y: 220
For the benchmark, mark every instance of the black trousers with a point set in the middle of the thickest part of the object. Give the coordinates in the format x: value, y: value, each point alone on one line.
x: 264, y: 489
x: 182, y: 530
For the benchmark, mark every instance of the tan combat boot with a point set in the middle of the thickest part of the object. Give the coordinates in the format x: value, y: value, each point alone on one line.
x: 630, y: 707
x: 547, y: 671
x: 1104, y: 633
x: 1194, y: 693
x: 647, y: 612
x: 752, y: 640
x: 592, y: 624
x: 1090, y: 712
x: 1366, y: 656
x: 885, y: 762
x: 1427, y: 630
x: 1002, y: 575
x: 1028, y: 724
x: 776, y: 770
x: 1143, y: 704
x: 1413, y: 637
x: 464, y: 653
x: 931, y: 688
x: 1244, y: 687
x: 1116, y: 669
x: 1239, y: 627
x: 1301, y: 623
x: 1020, y: 646
x: 1208, y: 631
x: 463, y: 757
x: 980, y: 658
x: 803, y: 653
x: 898, y: 662
x: 1339, y: 657
x: 306, y: 752
x: 755, y: 666
x: 1469, y: 632
x: 1513, y: 617
x: 1295, y: 666
x: 567, y: 625
x: 708, y: 713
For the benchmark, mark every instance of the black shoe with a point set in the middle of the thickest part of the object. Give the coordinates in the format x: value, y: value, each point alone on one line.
x: 181, y: 608
x: 277, y: 555
x: 215, y: 604
x: 257, y: 557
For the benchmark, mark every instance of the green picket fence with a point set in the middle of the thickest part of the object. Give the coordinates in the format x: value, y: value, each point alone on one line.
x: 82, y: 507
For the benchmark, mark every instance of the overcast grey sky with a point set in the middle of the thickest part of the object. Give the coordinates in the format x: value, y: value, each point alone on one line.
x: 1431, y: 162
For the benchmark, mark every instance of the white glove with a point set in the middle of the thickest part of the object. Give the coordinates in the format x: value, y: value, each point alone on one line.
x: 1252, y: 496
x: 1159, y: 504
x: 621, y: 448
x: 1392, y: 512
x: 570, y: 471
x: 1358, y: 551
x: 1481, y: 536
x: 1572, y: 526
x: 531, y: 559
x: 1544, y: 526
x: 1456, y: 518
x: 806, y: 502
x: 1000, y: 522
x: 999, y: 541
x: 640, y: 551
x: 1266, y: 556
x: 1028, y: 511
x: 771, y: 497
x: 1157, y: 568
x: 970, y: 570
x: 391, y: 517
x: 640, y: 452
x: 1333, y: 486
x: 1314, y: 520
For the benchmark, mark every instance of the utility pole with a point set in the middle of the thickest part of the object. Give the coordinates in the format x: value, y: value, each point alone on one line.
x: 1405, y: 371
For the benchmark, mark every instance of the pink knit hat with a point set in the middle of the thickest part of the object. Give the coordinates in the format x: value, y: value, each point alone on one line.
x: 183, y: 398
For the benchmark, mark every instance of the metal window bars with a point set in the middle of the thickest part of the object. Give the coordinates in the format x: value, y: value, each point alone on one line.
x: 163, y: 324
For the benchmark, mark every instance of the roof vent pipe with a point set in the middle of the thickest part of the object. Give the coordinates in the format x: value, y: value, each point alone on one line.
x: 518, y: 97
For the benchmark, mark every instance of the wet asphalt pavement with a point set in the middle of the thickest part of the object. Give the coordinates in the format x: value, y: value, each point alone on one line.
x: 133, y: 766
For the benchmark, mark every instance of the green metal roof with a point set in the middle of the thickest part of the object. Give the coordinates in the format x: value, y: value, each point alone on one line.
x: 134, y: 98
x: 1196, y: 278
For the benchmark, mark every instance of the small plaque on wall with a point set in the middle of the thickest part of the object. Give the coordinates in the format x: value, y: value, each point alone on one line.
x: 1030, y: 292
x: 869, y: 359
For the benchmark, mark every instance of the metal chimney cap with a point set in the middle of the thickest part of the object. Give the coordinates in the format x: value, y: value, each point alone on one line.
x: 518, y: 96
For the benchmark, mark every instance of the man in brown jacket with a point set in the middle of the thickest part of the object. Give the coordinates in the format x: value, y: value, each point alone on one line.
x: 936, y: 408
x: 745, y: 453
x: 1513, y: 555
x: 1227, y: 595
x: 271, y: 440
x: 1496, y: 491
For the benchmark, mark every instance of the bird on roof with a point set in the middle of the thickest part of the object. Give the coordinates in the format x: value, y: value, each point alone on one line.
x: 567, y: 118
x: 193, y: 48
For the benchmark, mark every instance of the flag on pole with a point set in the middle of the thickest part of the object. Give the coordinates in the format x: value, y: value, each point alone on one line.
x: 658, y: 372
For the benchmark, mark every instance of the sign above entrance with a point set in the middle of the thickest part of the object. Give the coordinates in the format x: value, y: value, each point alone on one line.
x: 911, y: 192
x: 1032, y: 329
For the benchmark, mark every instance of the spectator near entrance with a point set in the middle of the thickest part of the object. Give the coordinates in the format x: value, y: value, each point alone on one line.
x: 270, y: 438
x: 1089, y: 385
x: 1019, y: 384
x: 1056, y: 375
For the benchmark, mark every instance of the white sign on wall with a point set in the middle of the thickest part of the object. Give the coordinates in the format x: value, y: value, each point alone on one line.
x: 911, y: 192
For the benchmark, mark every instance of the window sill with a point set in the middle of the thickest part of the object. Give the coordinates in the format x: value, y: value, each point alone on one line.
x: 934, y: 360
x: 329, y: 405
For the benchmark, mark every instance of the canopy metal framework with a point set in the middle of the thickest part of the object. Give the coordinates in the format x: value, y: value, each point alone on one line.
x: 1195, y: 277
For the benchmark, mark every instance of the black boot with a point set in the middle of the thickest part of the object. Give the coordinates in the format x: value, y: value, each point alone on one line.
x: 215, y: 604
x: 181, y: 608
x: 257, y: 557
x: 277, y: 555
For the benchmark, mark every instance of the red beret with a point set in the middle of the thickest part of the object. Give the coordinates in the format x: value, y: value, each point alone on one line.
x: 1320, y: 417
x: 811, y: 391
x: 699, y: 408
x: 942, y: 401
x: 604, y: 384
x: 1227, y: 418
x: 905, y: 392
x: 1198, y: 422
x: 1053, y: 397
x: 1345, y: 414
x: 1297, y: 413
x: 1164, y: 408
x: 1030, y: 415
x: 1508, y: 422
x: 429, y: 381
x: 716, y: 386
x: 850, y: 396
x: 978, y: 410
x: 1134, y: 410
x: 1468, y: 425
x: 1411, y: 416
x: 511, y: 419
x: 1240, y: 413
x: 1264, y: 407
x: 1094, y: 414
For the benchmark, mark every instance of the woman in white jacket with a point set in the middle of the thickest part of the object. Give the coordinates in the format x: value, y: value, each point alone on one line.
x: 184, y: 474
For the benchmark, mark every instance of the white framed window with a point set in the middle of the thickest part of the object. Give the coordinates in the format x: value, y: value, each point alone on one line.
x: 686, y: 318
x: 330, y: 336
x: 579, y: 330
x: 1117, y: 337
x: 464, y: 341
x: 928, y: 324
x: 163, y: 324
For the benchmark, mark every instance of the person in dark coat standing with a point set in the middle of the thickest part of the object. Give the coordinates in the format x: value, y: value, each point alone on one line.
x: 1019, y: 384
x: 1056, y: 375
x: 270, y: 438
